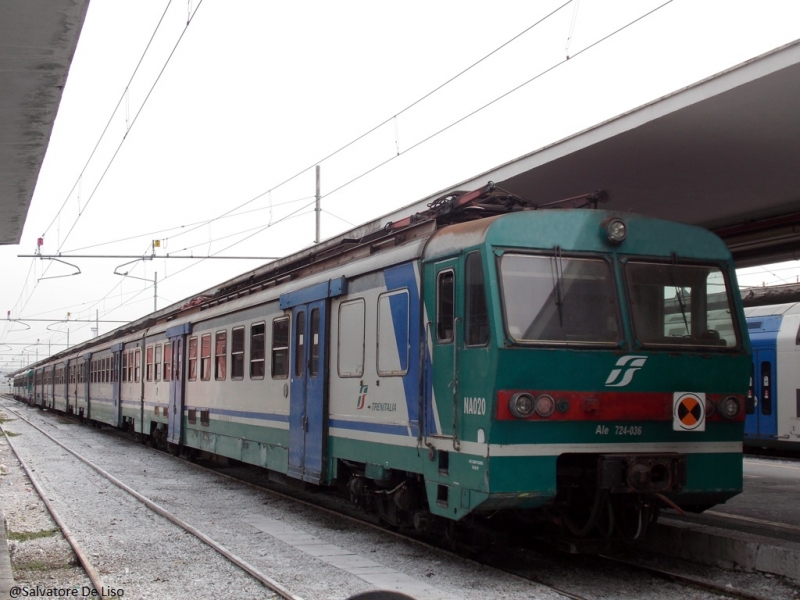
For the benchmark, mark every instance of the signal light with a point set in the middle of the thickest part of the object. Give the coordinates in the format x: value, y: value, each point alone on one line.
x: 545, y: 405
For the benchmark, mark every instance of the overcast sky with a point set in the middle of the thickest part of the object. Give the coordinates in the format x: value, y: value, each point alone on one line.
x: 255, y: 93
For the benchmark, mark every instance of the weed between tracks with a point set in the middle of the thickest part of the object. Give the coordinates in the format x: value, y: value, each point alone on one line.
x: 24, y: 536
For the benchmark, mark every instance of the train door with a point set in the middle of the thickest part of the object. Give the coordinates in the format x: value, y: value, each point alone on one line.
x: 72, y: 390
x: 307, y: 404
x: 176, y: 337
x: 764, y: 421
x: 52, y: 390
x: 444, y: 333
x: 116, y: 382
x: 87, y: 378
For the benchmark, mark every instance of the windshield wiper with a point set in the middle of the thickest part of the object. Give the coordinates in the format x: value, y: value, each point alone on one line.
x: 679, y: 293
x: 558, y: 277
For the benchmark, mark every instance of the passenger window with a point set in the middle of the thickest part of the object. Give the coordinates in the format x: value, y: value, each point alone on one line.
x: 192, y: 358
x: 350, y: 356
x: 280, y: 348
x: 149, y: 363
x: 257, y: 351
x: 237, y: 353
x: 477, y: 314
x: 393, y: 327
x: 205, y: 357
x: 445, y: 306
x: 167, y: 361
x: 158, y: 362
x: 124, y: 366
x: 137, y: 365
x: 221, y: 355
x: 766, y: 388
x: 299, y: 344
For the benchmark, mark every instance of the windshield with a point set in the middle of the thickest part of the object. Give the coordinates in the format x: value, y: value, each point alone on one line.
x: 556, y: 299
x: 680, y: 304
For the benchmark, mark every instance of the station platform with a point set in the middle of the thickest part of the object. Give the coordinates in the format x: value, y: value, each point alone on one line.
x: 758, y: 530
x: 6, y: 576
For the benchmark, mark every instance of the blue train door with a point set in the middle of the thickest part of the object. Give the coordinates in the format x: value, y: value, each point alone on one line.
x: 307, y: 404
x: 175, y: 417
x: 766, y: 409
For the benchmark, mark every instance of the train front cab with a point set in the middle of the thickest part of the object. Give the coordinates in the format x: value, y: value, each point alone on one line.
x: 576, y: 372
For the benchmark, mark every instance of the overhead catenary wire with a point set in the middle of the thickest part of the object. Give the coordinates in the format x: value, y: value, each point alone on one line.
x: 497, y: 99
x: 467, y: 116
x: 428, y: 138
x: 330, y: 155
x: 296, y: 213
x: 79, y: 179
x: 393, y: 117
x: 172, y: 237
x: 110, y: 119
x: 133, y: 122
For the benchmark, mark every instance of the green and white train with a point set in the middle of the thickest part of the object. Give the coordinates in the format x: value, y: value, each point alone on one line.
x: 573, y: 369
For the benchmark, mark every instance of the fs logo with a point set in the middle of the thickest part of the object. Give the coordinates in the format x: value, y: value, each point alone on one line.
x: 626, y: 367
x: 362, y: 397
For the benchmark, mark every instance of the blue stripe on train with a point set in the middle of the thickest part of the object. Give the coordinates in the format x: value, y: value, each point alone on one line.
x: 372, y: 427
x: 406, y: 322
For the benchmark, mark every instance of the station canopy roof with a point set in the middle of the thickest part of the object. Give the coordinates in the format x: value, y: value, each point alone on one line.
x: 37, y: 43
x: 723, y: 154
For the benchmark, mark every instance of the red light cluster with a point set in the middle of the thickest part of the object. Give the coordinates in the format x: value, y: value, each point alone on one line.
x: 610, y: 406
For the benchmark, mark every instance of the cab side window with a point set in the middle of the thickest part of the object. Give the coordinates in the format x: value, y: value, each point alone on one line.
x: 445, y: 306
x: 475, y: 299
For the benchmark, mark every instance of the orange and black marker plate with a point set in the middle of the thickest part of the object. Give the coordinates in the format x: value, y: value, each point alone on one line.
x: 689, y: 411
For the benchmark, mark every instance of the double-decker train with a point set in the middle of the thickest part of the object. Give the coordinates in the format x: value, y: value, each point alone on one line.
x: 773, y: 401
x: 573, y: 369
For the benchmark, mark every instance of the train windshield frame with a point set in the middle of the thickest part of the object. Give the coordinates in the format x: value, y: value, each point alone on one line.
x: 680, y: 303
x: 545, y: 299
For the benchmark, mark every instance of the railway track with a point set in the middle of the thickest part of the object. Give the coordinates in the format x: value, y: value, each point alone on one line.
x: 82, y: 555
x: 524, y: 575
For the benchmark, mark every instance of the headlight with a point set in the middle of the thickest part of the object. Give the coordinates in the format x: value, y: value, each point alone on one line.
x: 730, y: 407
x: 545, y: 405
x: 521, y: 405
x: 616, y: 230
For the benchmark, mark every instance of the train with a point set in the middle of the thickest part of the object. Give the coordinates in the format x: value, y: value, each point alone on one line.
x: 772, y: 410
x: 566, y: 370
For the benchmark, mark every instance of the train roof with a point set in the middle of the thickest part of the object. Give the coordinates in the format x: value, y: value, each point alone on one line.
x: 791, y: 308
x: 580, y: 230
x: 460, y: 218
